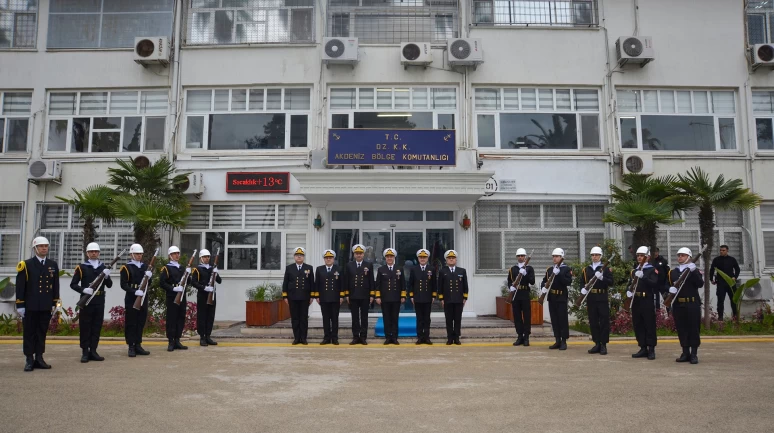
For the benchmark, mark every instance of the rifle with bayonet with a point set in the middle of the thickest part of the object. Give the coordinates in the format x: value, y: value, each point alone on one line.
x: 94, y: 286
x: 145, y: 284
x: 211, y: 295
x: 184, y: 279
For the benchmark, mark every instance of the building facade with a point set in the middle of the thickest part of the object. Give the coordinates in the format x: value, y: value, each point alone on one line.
x: 543, y: 125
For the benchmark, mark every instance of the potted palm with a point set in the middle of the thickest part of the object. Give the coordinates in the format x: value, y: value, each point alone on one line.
x: 262, y: 307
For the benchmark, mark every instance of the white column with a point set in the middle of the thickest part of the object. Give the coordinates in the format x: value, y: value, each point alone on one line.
x: 465, y: 244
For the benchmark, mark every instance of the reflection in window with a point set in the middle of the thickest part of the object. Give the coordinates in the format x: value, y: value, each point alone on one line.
x: 387, y: 120
x: 538, y: 131
x: 765, y: 135
x: 246, y: 131
x: 678, y: 133
x: 628, y: 132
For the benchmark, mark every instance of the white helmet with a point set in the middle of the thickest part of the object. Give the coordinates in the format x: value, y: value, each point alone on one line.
x: 40, y: 240
x: 521, y: 252
x: 136, y: 249
x: 643, y: 250
x: 596, y: 250
x: 558, y: 252
x: 204, y: 253
x: 173, y: 249
x: 684, y: 250
x: 92, y: 247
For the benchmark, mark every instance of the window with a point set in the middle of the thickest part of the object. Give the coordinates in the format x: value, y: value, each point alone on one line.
x: 763, y: 110
x: 107, y: 121
x: 10, y: 234
x: 393, y: 108
x: 250, y: 237
x: 107, y: 23
x: 557, y: 13
x: 677, y: 120
x: 224, y: 22
x: 247, y: 119
x: 503, y: 227
x: 393, y: 21
x: 64, y: 229
x: 18, y: 24
x: 767, y: 223
x: 537, y: 118
x: 15, y: 111
x: 760, y: 17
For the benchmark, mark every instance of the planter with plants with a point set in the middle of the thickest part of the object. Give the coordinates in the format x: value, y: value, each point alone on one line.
x: 505, y: 311
x: 263, y: 305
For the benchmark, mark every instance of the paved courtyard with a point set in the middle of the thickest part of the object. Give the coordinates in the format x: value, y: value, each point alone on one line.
x: 253, y: 387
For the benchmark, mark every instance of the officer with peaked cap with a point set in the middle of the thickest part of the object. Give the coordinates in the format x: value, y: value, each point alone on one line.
x: 297, y: 289
x: 390, y: 293
x: 330, y: 294
x: 422, y: 291
x: 359, y: 291
x: 453, y: 293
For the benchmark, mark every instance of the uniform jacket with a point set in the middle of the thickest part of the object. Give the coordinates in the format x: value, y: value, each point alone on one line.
x: 37, y: 285
x: 648, y: 283
x: 298, y: 285
x: 422, y: 284
x: 131, y: 279
x: 359, y: 282
x: 328, y: 285
x: 453, y: 286
x: 390, y: 284
x: 660, y: 263
x: 200, y: 278
x: 603, y: 284
x: 692, y: 286
x: 728, y: 265
x: 169, y: 277
x: 558, y: 290
x: 85, y: 274
x: 522, y: 292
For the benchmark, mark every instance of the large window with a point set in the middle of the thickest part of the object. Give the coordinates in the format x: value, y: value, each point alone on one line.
x: 222, y: 22
x: 560, y: 13
x: 760, y: 18
x: 250, y: 237
x: 537, y: 118
x: 10, y: 234
x: 107, y: 121
x: 393, y: 21
x: 64, y: 229
x: 393, y: 108
x: 247, y: 119
x: 107, y: 23
x: 502, y: 228
x: 763, y: 110
x: 15, y: 110
x: 18, y: 23
x: 677, y: 120
x: 767, y: 222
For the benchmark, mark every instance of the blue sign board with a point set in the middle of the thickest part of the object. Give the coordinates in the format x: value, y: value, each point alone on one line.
x: 435, y: 147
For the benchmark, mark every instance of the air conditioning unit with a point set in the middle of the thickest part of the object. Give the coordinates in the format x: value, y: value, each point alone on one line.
x: 145, y: 161
x: 637, y: 163
x: 465, y: 52
x: 762, y: 55
x: 41, y: 170
x: 340, y: 51
x: 194, y: 185
x: 151, y: 50
x: 415, y: 54
x: 635, y: 49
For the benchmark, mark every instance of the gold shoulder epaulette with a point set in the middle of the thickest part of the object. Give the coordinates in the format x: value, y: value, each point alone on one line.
x: 21, y: 266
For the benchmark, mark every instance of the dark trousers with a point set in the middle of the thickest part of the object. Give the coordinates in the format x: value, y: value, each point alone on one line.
x: 91, y: 318
x: 453, y: 313
x: 359, y: 310
x: 299, y: 318
x: 205, y: 315
x: 175, y: 318
x: 560, y: 321
x: 134, y: 322
x: 390, y: 313
x: 330, y: 313
x: 522, y: 316
x: 35, y: 325
x: 599, y: 321
x: 423, y: 319
x: 687, y: 320
x: 721, y: 292
x: 644, y: 322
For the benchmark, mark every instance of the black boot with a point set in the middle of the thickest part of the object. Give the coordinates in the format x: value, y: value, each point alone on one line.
x: 603, y: 349
x: 641, y: 354
x: 457, y: 341
x: 694, y: 357
x: 179, y: 345
x: 132, y: 353
x: 29, y: 364
x: 685, y: 356
x: 651, y: 353
x: 597, y: 347
x: 210, y: 341
x: 526, y: 341
x: 94, y: 356
x: 563, y: 345
x: 555, y: 345
x: 40, y: 363
x: 140, y: 351
x: 202, y: 341
x: 354, y: 341
x: 171, y: 346
x: 449, y: 341
x: 519, y: 341
x: 84, y: 355
x: 364, y: 341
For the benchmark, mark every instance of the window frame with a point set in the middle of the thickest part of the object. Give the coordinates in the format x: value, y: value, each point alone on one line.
x: 4, y: 152
x: 19, y: 231
x: 767, y: 206
x: 552, y: 6
x: 34, y: 45
x: 756, y: 115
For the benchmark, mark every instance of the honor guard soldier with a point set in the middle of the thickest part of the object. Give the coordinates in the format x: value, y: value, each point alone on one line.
x: 330, y: 295
x: 686, y: 307
x: 453, y: 293
x: 422, y: 291
x: 297, y: 288
x: 37, y: 295
x: 557, y: 298
x: 520, y: 301
x: 205, y: 313
x: 597, y: 301
x: 169, y: 280
x: 132, y: 275
x: 92, y: 315
x: 390, y: 293
x: 730, y: 267
x: 359, y: 290
x: 643, y: 310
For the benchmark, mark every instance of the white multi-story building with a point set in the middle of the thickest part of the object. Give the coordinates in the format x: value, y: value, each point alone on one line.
x: 543, y: 125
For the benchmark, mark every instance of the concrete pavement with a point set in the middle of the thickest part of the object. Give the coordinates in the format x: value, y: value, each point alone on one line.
x: 241, y: 386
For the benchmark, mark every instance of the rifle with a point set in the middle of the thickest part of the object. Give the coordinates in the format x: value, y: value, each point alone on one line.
x: 627, y: 304
x: 184, y: 280
x: 86, y: 299
x: 670, y: 299
x: 549, y: 283
x: 140, y: 300
x: 211, y: 295
x: 581, y: 299
x: 510, y: 299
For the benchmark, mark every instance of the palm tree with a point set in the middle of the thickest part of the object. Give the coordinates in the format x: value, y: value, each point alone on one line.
x: 91, y: 204
x: 695, y: 190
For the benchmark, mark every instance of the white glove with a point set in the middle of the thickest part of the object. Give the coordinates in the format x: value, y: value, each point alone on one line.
x: 523, y: 271
x: 629, y: 294
x: 556, y: 271
x: 21, y: 311
x: 188, y: 270
x: 692, y: 266
x: 208, y: 289
x: 215, y: 270
x: 138, y: 292
x: 543, y: 290
x: 512, y: 289
x: 584, y: 291
x: 148, y: 274
x: 639, y: 274
x: 673, y: 290
x: 598, y: 275
x: 106, y: 271
x: 178, y: 288
x: 88, y: 291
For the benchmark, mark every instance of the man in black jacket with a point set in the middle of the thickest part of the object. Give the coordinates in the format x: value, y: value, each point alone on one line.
x: 132, y: 275
x: 330, y: 294
x: 520, y: 299
x: 660, y: 263
x: 557, y: 298
x: 169, y: 280
x: 92, y: 315
x: 205, y: 313
x: 643, y: 309
x: 453, y: 293
x: 359, y: 289
x: 730, y: 267
x: 422, y: 291
x: 297, y: 288
x: 597, y: 301
x: 687, y: 306
x: 390, y: 293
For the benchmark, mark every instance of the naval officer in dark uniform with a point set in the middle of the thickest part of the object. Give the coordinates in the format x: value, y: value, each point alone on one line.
x: 330, y: 294
x: 92, y: 315
x: 359, y: 291
x: 390, y: 293
x: 297, y: 288
x: 422, y: 291
x: 453, y: 293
